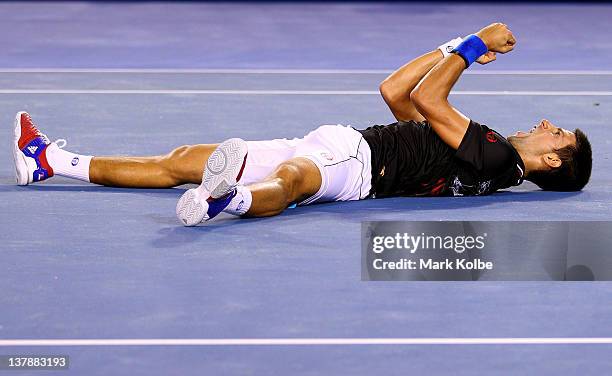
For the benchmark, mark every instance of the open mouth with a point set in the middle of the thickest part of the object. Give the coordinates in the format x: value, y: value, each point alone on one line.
x: 522, y: 134
x: 526, y: 134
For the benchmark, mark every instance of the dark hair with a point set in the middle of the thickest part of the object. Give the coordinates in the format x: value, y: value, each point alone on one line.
x: 575, y: 169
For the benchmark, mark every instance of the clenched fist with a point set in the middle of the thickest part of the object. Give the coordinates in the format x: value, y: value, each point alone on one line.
x: 497, y: 37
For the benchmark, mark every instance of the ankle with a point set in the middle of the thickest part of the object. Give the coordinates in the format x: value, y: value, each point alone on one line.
x: 241, y: 203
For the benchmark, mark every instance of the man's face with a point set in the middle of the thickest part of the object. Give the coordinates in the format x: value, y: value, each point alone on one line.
x: 543, y: 138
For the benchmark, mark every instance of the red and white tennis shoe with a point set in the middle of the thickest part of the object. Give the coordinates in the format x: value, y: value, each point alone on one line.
x: 30, y: 151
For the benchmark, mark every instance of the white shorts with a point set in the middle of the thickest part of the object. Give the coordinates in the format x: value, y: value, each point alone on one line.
x: 340, y: 152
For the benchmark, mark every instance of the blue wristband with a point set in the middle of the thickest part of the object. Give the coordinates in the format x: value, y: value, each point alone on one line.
x: 471, y: 49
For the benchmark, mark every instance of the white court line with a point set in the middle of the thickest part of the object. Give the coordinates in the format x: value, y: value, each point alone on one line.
x: 194, y: 71
x: 178, y: 91
x: 534, y: 92
x: 290, y: 92
x: 289, y: 71
x: 304, y: 341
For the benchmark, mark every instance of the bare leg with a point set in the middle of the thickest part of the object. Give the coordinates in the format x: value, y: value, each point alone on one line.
x: 183, y: 165
x: 292, y: 181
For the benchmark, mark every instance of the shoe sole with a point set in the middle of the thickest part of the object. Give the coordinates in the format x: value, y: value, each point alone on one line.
x: 21, y: 167
x: 191, y: 208
x: 221, y: 174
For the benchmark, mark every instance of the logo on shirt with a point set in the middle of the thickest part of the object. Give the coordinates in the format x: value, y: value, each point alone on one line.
x: 491, y: 136
x: 75, y: 161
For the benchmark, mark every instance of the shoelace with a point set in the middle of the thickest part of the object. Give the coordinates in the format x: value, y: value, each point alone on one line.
x: 60, y: 142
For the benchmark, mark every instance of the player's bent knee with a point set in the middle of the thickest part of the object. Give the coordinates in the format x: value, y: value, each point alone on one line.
x: 290, y: 179
x: 299, y: 178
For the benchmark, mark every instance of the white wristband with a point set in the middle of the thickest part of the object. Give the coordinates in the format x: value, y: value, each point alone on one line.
x: 449, y: 46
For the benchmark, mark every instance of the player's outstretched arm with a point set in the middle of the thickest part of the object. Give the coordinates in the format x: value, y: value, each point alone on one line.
x: 430, y: 97
x: 396, y: 88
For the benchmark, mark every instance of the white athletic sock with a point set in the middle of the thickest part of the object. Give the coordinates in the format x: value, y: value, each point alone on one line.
x: 70, y: 165
x: 241, y: 203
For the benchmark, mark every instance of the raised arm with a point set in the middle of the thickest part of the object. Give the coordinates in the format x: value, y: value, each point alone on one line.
x: 396, y: 88
x: 430, y: 97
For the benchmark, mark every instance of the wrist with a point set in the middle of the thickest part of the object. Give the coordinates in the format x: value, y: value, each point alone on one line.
x: 471, y: 49
x: 482, y: 38
x: 448, y: 47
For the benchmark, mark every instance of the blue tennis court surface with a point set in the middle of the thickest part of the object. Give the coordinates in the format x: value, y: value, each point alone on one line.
x: 86, y: 262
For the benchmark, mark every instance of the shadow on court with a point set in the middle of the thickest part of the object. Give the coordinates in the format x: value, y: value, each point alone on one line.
x: 351, y: 212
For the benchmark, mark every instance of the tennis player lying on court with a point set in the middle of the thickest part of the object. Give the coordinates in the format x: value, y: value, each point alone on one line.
x: 432, y: 150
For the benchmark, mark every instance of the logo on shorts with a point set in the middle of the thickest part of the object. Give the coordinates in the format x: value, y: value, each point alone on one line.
x: 75, y: 161
x: 328, y: 156
x: 491, y: 136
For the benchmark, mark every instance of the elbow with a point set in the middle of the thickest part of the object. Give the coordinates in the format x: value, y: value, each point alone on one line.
x: 390, y: 93
x: 385, y: 91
